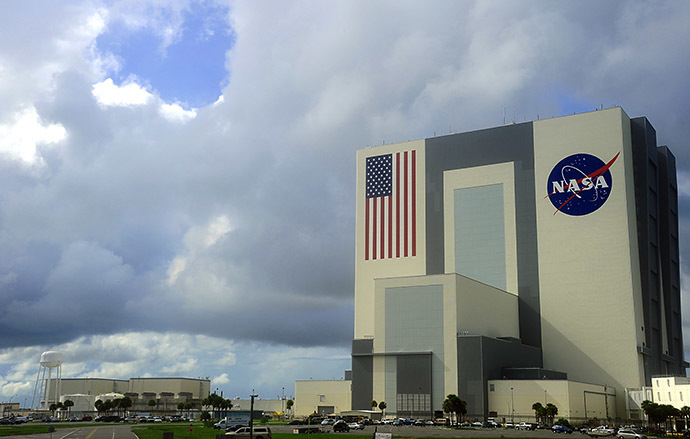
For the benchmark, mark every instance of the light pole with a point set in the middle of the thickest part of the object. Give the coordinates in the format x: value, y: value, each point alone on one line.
x: 606, y: 401
x: 251, y: 416
x: 512, y: 406
x: 283, y: 403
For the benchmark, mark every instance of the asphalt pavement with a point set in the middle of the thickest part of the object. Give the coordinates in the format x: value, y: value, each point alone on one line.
x: 90, y: 432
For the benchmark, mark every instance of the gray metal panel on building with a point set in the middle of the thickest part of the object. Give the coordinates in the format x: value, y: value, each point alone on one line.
x: 511, y: 143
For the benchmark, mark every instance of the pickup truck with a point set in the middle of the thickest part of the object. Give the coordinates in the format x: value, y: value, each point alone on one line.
x: 525, y: 426
x: 601, y: 431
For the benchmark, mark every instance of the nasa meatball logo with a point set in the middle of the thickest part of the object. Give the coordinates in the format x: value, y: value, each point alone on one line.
x: 580, y: 184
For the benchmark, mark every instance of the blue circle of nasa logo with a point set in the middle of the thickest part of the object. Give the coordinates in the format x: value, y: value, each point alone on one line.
x: 580, y: 184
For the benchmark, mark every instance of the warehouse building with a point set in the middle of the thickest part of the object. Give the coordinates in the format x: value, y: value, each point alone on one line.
x: 493, y: 261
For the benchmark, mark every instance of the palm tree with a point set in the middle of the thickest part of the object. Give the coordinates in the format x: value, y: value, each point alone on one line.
x: 189, y: 406
x: 550, y: 411
x: 289, y: 404
x: 373, y: 404
x: 99, y: 406
x: 68, y: 403
x: 126, y: 403
x: 454, y: 405
x: 382, y: 407
x: 152, y: 403
x: 538, y: 411
x: 685, y: 413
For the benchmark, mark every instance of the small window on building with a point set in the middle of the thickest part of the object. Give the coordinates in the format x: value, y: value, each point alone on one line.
x: 669, y: 396
x: 658, y: 395
x: 681, y: 395
x: 668, y: 382
x: 322, y: 398
x: 491, y: 388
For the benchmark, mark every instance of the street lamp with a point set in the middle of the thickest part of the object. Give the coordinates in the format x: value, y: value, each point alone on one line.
x: 251, y: 415
x: 512, y: 406
x: 283, y: 403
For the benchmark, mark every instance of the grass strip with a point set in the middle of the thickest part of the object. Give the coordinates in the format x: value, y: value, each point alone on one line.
x: 22, y: 429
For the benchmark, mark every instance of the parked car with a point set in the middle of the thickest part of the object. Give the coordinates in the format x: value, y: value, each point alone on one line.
x: 630, y: 433
x: 601, y: 431
x: 557, y: 428
x: 477, y: 424
x: 355, y: 426
x: 328, y: 421
x: 340, y: 426
x: 509, y: 425
x: 243, y: 433
x: 525, y: 426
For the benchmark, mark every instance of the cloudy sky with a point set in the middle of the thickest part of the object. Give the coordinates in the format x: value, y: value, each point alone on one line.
x: 177, y: 177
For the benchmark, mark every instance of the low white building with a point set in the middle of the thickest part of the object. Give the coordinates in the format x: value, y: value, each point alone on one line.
x: 512, y: 400
x: 82, y: 403
x: 670, y: 390
x: 324, y: 397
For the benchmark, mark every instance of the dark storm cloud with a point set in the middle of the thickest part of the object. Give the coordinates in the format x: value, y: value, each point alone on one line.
x: 240, y: 222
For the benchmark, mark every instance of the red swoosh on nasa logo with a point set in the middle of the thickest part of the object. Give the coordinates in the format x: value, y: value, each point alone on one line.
x: 596, y: 173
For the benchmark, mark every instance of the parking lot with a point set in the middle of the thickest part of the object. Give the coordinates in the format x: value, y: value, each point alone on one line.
x: 434, y: 431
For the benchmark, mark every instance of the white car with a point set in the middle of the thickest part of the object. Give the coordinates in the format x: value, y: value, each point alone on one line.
x: 630, y: 433
x: 356, y: 426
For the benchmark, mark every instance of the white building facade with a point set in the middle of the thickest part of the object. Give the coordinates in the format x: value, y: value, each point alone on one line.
x: 539, y: 251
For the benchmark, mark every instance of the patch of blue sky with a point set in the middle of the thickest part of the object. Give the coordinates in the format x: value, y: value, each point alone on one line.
x: 191, y: 70
x: 571, y: 105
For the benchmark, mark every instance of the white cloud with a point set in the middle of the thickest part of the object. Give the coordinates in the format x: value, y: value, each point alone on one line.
x: 21, y: 137
x: 130, y: 94
x: 197, y: 240
x: 228, y: 359
x: 176, y: 113
x: 220, y: 379
x: 184, y: 365
x: 683, y: 183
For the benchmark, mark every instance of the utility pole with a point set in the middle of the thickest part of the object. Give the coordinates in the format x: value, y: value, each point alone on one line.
x: 251, y: 416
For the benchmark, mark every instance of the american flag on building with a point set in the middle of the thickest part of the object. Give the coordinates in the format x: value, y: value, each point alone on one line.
x: 391, y: 206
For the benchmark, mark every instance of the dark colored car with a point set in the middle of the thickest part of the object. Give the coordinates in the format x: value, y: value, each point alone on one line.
x: 561, y: 429
x: 340, y: 426
x: 107, y: 419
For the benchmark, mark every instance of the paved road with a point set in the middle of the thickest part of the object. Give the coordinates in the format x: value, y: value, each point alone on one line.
x: 90, y: 432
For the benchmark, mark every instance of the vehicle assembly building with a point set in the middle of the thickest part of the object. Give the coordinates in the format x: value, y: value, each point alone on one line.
x: 528, y: 262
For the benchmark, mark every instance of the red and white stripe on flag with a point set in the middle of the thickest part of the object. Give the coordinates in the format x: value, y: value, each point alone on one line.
x: 391, y: 206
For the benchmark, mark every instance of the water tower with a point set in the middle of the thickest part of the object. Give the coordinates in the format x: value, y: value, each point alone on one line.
x: 48, y: 388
